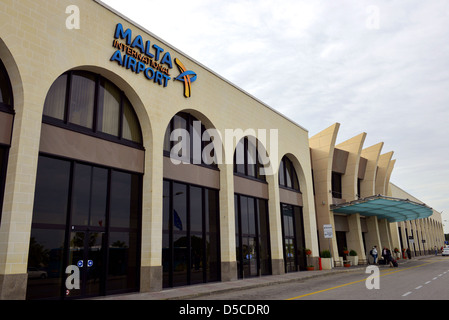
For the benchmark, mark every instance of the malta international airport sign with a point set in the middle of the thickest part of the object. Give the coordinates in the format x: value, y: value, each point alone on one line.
x: 149, y: 60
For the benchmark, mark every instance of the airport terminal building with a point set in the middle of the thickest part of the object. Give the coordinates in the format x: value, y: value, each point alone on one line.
x: 126, y: 166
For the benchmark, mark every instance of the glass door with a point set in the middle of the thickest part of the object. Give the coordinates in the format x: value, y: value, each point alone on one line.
x: 87, y: 253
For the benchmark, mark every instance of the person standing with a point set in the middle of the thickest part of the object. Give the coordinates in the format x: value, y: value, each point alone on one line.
x: 384, y: 254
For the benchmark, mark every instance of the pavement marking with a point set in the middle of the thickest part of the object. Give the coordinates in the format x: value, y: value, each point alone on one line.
x: 358, y: 281
x: 418, y: 287
x: 428, y: 282
x: 406, y: 294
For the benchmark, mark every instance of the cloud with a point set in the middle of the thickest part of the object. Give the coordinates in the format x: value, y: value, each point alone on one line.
x: 377, y: 67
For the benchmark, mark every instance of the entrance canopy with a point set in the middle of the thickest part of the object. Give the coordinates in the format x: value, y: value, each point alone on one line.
x: 392, y: 209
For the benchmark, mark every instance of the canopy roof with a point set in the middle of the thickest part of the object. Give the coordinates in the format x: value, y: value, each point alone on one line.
x: 392, y: 209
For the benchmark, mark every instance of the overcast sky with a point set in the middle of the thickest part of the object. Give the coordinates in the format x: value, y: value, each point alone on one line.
x: 380, y: 67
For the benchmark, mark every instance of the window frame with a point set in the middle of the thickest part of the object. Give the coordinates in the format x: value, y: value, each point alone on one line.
x: 94, y: 131
x: 189, y: 119
x: 294, y: 175
x: 256, y: 166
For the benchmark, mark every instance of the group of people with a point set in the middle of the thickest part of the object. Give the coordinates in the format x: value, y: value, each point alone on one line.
x: 386, y: 255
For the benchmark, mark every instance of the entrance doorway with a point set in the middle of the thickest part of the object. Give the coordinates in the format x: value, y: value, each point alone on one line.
x: 88, y: 217
x: 87, y: 252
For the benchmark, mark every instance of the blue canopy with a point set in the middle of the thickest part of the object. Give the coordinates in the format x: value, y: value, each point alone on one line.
x: 392, y: 209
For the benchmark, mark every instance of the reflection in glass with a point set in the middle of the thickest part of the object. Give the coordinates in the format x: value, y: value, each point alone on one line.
x: 180, y: 245
x: 190, y: 235
x: 89, y: 214
x: 252, y: 237
x: 46, y: 271
x: 123, y: 268
x: 89, y: 196
x: 124, y: 209
x: 293, y: 238
x: 52, y: 191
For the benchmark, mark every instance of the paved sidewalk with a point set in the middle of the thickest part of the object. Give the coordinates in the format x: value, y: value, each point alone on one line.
x: 187, y: 292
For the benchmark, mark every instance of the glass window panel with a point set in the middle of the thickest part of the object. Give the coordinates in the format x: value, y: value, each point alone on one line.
x: 212, y: 235
x: 251, y: 217
x: 281, y: 174
x: 239, y: 157
x: 197, y: 142
x: 3, y: 161
x: 123, y: 261
x: 52, y: 191
x: 56, y: 98
x: 125, y: 198
x: 82, y: 99
x: 295, y: 180
x: 196, y: 210
x: 108, y: 117
x: 89, y: 197
x: 288, y: 174
x: 252, y: 157
x: 46, y: 268
x: 244, y: 215
x: 131, y: 127
x: 167, y: 142
x: 264, y: 240
x: 300, y: 239
x: 180, y: 245
x: 196, y: 235
x: 181, y: 140
x: 5, y: 86
x: 166, y: 253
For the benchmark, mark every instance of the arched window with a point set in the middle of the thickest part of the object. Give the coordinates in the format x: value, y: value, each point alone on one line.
x: 6, y: 121
x: 187, y: 143
x: 87, y: 102
x: 191, y: 215
x: 88, y: 196
x: 6, y: 96
x: 247, y: 161
x: 287, y: 175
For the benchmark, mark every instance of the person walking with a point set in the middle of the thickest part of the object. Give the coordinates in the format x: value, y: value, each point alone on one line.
x: 374, y: 254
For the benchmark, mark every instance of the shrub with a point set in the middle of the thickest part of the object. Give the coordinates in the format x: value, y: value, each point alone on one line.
x: 325, y: 254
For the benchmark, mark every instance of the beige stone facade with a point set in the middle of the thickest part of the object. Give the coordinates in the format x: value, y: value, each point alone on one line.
x: 363, y: 172
x: 36, y: 47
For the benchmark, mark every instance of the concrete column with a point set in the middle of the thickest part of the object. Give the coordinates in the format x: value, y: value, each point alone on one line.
x: 354, y: 236
x: 227, y: 224
x: 372, y: 237
x: 18, y: 201
x: 274, y: 210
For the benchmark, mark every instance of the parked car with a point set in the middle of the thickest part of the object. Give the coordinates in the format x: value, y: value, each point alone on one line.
x: 445, y: 252
x: 35, y: 273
